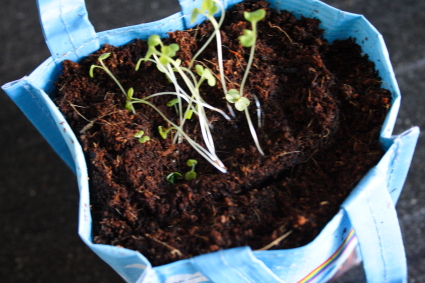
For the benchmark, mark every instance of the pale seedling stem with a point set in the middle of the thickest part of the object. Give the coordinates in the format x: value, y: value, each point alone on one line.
x: 104, y: 68
x: 253, y: 133
x: 216, y: 34
x: 202, y: 151
x: 249, y: 39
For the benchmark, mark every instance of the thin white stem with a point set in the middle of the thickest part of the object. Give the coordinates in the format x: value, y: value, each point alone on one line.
x: 259, y: 113
x: 180, y: 107
x: 203, y: 122
x: 202, y: 151
x: 253, y: 133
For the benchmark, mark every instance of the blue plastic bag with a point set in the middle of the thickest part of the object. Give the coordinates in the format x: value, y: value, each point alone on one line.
x: 367, y: 217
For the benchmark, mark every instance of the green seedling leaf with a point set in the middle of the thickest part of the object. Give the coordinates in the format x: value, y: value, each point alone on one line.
x: 167, y: 52
x: 128, y: 104
x: 141, y: 137
x: 254, y: 17
x: 191, y: 162
x: 173, y: 176
x: 92, y: 67
x: 174, y: 47
x: 163, y: 132
x: 209, y: 6
x: 164, y: 60
x: 210, y: 77
x: 206, y: 5
x: 154, y: 40
x: 213, y: 10
x: 191, y: 175
x: 206, y: 73
x: 170, y: 50
x: 199, y: 70
x: 144, y: 139
x: 248, y: 38
x: 139, y: 134
x: 104, y: 56
x: 172, y: 102
x: 195, y: 13
x: 233, y: 95
x: 242, y: 103
x: 189, y: 114
x: 130, y: 93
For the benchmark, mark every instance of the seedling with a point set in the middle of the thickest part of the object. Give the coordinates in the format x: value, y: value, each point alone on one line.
x: 128, y: 94
x: 241, y: 103
x: 162, y: 55
x: 164, y: 132
x: 141, y: 137
x: 163, y: 58
x: 249, y: 38
x: 173, y: 176
x: 191, y: 174
x: 172, y: 102
x: 209, y: 8
x: 205, y: 74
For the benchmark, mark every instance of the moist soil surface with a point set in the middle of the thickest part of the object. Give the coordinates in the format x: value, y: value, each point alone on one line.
x: 322, y: 107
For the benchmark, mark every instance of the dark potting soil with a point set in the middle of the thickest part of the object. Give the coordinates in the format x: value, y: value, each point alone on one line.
x: 322, y: 109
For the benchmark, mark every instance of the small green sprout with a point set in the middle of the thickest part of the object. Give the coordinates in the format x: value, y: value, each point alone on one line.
x: 173, y: 176
x: 140, y: 136
x: 103, y: 67
x: 254, y: 17
x: 166, y: 53
x: 205, y: 74
x: 191, y: 174
x: 128, y: 103
x: 249, y: 38
x: 164, y: 132
x: 153, y: 41
x: 172, y: 102
x: 128, y: 94
x: 208, y: 7
x: 189, y: 114
x: 241, y: 103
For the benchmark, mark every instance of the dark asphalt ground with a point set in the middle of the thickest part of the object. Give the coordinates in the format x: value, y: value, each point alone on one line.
x: 38, y: 193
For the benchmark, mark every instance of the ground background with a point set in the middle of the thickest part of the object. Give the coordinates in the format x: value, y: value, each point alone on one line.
x: 38, y: 193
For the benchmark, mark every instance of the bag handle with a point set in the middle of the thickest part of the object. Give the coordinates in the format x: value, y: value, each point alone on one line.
x: 67, y: 29
x: 234, y: 266
x: 372, y: 213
